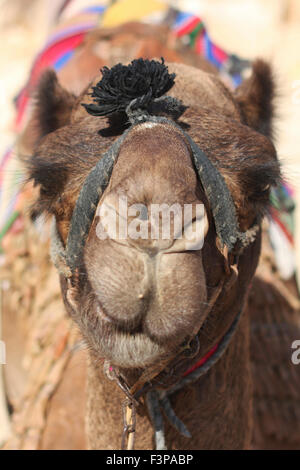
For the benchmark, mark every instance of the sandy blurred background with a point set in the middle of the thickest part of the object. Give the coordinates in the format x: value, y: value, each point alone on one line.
x: 249, y: 28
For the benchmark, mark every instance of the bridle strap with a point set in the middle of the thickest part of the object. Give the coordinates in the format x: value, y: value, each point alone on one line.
x: 86, y: 204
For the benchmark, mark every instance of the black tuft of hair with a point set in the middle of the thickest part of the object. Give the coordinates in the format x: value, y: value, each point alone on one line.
x: 141, y: 80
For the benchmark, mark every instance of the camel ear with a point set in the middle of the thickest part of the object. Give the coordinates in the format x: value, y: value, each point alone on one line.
x: 52, y: 109
x: 256, y: 96
x: 53, y: 104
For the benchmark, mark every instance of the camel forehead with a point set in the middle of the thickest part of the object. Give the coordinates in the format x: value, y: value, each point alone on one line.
x: 196, y: 88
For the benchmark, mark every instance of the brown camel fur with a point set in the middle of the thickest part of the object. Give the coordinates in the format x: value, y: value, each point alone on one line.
x: 155, y: 166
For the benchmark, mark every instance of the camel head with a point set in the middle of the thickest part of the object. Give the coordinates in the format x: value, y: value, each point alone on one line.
x: 118, y: 171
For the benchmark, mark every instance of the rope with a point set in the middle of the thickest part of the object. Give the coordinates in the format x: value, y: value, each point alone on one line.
x: 153, y: 405
x: 174, y: 420
x: 87, y: 201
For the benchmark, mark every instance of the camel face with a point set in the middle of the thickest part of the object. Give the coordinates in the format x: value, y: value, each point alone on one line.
x: 137, y: 298
x: 149, y: 288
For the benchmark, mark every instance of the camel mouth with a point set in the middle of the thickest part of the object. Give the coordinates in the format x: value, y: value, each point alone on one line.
x: 131, y: 326
x: 126, y: 348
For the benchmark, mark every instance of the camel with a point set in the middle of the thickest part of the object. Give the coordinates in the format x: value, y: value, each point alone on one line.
x: 147, y: 311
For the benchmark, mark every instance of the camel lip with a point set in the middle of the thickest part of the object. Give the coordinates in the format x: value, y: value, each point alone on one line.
x: 127, y: 330
x: 127, y: 349
x: 123, y: 326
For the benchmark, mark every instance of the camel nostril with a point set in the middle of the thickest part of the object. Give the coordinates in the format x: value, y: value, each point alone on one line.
x: 103, y: 315
x: 143, y: 215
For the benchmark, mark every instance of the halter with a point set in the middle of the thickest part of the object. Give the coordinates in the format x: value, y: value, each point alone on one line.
x: 138, y: 91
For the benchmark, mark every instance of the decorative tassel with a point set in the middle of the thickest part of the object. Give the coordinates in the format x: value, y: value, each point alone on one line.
x: 142, y: 81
